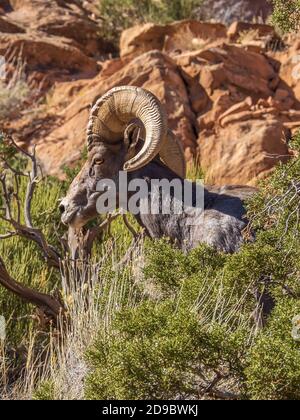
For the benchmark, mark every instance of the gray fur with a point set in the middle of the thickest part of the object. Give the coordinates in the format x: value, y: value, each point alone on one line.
x: 219, y: 225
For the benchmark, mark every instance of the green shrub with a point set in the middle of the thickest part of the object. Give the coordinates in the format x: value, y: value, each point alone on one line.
x: 160, y: 351
x: 274, y: 362
x: 167, y: 267
x: 286, y: 14
x: 201, y: 323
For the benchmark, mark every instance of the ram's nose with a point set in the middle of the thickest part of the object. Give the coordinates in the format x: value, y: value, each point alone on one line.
x: 62, y: 208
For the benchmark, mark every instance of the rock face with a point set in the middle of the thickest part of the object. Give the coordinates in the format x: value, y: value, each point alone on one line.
x: 231, y: 100
x: 140, y: 39
x: 47, y: 52
x: 226, y: 104
x: 230, y: 65
x: 290, y: 64
x: 55, y: 41
x: 177, y: 36
x: 229, y: 155
x: 60, y: 18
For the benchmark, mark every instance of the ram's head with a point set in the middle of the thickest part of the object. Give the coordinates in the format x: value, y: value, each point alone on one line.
x: 127, y: 129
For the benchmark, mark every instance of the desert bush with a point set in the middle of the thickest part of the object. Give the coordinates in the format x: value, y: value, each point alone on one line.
x: 162, y: 351
x: 274, y: 362
x: 194, y: 328
x: 286, y: 15
x: 198, y: 328
x: 12, y: 96
x: 213, y: 324
x: 13, y: 90
x: 121, y: 14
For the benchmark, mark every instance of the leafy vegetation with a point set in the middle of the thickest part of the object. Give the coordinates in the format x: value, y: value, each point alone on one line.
x: 121, y: 14
x: 163, y: 324
x: 273, y: 371
x: 286, y: 14
x: 213, y: 318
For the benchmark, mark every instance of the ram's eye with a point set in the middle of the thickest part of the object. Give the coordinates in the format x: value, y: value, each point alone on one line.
x: 98, y: 161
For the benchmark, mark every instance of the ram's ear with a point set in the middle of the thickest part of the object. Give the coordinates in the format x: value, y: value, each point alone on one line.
x: 132, y: 135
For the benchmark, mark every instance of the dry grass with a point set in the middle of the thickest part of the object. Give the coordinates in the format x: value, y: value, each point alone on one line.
x: 15, y: 90
x: 249, y: 36
x: 93, y: 294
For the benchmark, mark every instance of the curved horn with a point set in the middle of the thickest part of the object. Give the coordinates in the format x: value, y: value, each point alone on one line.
x: 112, y: 113
x: 173, y: 155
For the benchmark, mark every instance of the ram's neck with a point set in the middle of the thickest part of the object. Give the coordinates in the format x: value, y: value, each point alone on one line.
x: 175, y: 224
x: 218, y: 221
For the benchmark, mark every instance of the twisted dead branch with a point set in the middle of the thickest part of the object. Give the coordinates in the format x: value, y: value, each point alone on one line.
x: 77, y: 249
x: 11, y: 196
x: 50, y: 308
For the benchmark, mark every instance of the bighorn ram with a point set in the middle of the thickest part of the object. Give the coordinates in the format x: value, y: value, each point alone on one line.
x: 114, y: 145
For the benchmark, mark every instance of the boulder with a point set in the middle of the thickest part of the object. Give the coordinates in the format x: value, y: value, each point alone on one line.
x: 247, y: 70
x: 229, y: 65
x: 142, y: 38
x: 7, y: 26
x: 244, y: 151
x: 183, y: 35
x: 41, y: 53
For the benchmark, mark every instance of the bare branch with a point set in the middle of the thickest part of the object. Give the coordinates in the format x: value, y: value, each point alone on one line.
x: 30, y: 189
x: 6, y: 197
x: 212, y: 390
x: 8, y: 235
x: 12, y: 143
x: 27, y: 231
x: 13, y: 170
x: 51, y: 308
